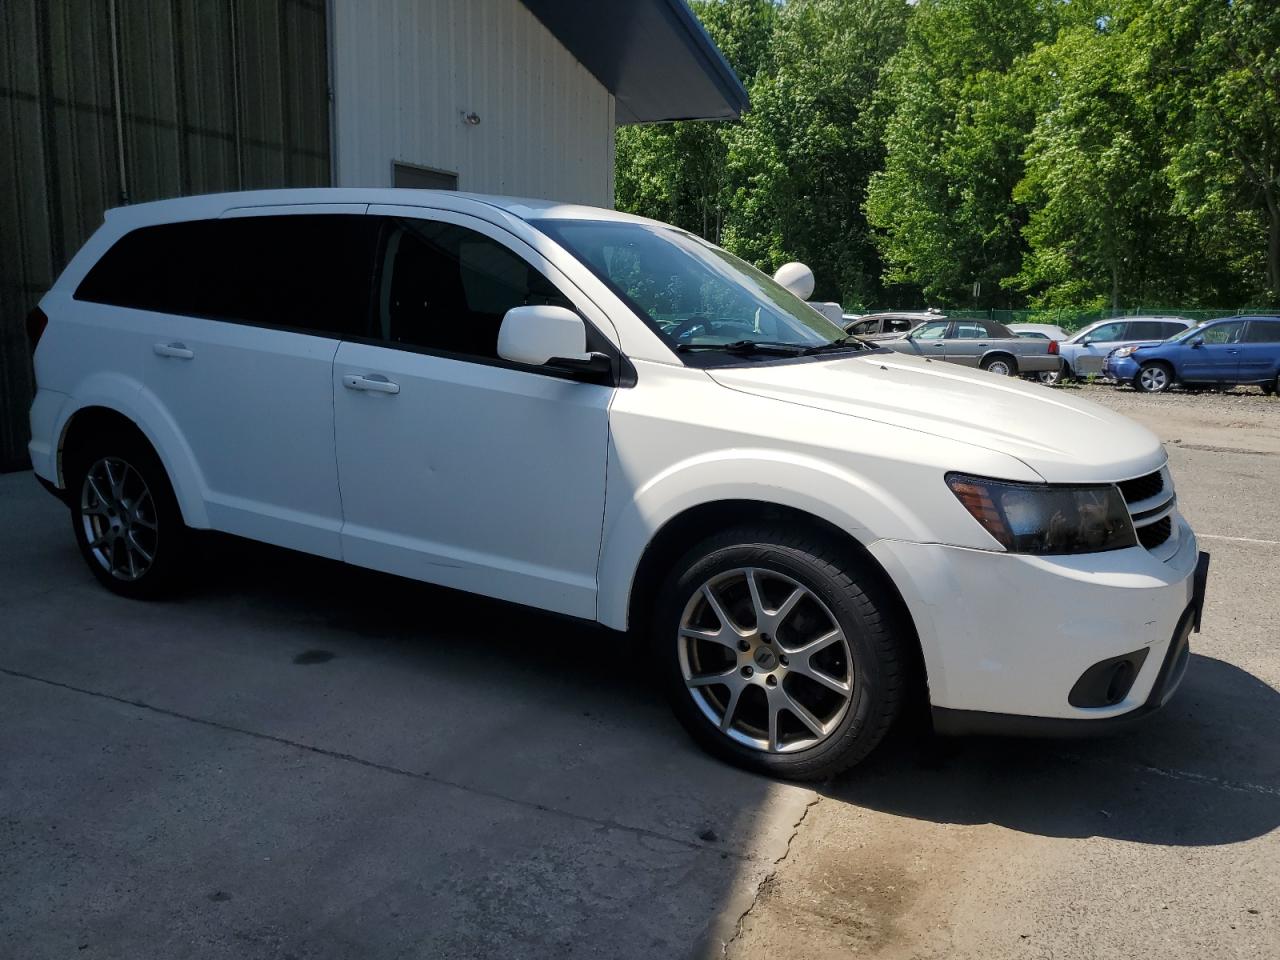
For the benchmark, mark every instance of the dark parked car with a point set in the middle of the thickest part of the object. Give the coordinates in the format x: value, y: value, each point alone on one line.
x: 1226, y: 351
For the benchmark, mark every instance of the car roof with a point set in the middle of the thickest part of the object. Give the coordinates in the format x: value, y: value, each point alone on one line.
x: 213, y: 204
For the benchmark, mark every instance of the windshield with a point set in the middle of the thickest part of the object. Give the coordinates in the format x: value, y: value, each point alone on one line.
x: 701, y: 299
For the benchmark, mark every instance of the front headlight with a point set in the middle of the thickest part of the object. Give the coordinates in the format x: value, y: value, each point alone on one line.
x: 1123, y: 351
x: 1046, y: 519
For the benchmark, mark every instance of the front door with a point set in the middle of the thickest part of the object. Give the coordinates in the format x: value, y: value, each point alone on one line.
x: 1094, y: 348
x: 1217, y: 358
x: 457, y: 467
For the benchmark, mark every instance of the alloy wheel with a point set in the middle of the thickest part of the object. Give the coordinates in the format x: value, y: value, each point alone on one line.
x: 998, y: 367
x: 118, y: 514
x: 765, y: 660
x: 1153, y: 379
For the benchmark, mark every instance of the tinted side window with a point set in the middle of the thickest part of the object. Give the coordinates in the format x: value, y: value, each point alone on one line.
x: 1263, y: 331
x: 1147, y: 330
x: 311, y: 272
x: 447, y: 288
x: 931, y: 331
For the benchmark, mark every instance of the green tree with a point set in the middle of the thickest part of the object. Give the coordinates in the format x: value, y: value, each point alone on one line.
x: 1217, y: 67
x: 801, y: 158
x: 676, y: 171
x: 962, y: 110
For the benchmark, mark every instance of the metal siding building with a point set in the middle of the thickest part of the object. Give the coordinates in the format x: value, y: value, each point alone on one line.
x: 108, y: 102
x: 405, y: 73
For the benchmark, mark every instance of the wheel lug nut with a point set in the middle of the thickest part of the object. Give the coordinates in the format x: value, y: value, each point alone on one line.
x: 782, y: 660
x: 744, y: 646
x: 747, y: 671
x: 764, y: 637
x: 771, y: 680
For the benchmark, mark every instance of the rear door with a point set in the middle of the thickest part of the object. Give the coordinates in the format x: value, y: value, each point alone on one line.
x: 966, y: 342
x: 1260, y: 352
x: 458, y: 467
x: 233, y: 324
x: 1217, y: 358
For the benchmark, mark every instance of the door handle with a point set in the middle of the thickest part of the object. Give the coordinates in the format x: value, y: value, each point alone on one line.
x: 178, y: 351
x: 374, y: 382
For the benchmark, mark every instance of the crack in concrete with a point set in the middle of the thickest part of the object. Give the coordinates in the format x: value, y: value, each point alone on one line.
x: 767, y: 881
x: 385, y: 767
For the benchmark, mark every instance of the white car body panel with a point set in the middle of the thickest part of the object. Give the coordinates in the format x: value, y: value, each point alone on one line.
x: 546, y: 491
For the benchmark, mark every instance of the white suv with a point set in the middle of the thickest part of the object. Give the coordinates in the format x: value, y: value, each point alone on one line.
x: 606, y: 417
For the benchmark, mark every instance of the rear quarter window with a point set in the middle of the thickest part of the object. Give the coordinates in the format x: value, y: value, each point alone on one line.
x: 311, y: 272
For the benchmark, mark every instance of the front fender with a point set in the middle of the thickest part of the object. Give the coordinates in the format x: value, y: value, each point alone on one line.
x: 127, y: 397
x: 848, y: 501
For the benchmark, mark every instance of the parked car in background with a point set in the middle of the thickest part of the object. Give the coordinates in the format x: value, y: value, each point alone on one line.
x: 1041, y: 331
x: 1227, y: 351
x: 1084, y: 352
x: 876, y: 326
x: 609, y: 418
x: 985, y: 344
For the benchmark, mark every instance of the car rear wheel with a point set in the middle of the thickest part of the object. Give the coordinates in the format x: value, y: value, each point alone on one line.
x: 1002, y: 365
x: 1272, y: 388
x: 126, y: 519
x: 780, y: 653
x: 1052, y: 377
x: 1153, y: 378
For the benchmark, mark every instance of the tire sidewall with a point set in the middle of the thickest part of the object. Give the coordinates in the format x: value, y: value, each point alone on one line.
x: 721, y: 554
x: 163, y: 575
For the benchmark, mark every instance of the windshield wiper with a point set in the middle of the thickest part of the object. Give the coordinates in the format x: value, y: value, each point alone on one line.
x: 746, y: 347
x: 844, y: 343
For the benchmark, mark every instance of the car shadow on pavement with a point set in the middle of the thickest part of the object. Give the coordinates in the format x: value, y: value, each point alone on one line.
x: 1203, y: 771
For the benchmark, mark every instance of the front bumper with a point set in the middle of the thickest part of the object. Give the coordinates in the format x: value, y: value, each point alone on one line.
x: 1008, y: 634
x: 1120, y: 369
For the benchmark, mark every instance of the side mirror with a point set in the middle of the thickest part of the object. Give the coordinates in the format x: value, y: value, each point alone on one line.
x: 1086, y: 341
x: 797, y: 278
x: 547, y: 336
x: 1198, y: 342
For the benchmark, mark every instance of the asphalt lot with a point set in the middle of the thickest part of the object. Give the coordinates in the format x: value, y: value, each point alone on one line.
x: 304, y: 760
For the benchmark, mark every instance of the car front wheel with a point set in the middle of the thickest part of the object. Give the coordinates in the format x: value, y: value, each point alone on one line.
x: 126, y: 519
x: 1153, y: 378
x: 781, y: 653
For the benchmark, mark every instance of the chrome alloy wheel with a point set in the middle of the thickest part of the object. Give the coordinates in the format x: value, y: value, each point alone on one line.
x: 119, y: 518
x: 765, y: 660
x: 1153, y: 379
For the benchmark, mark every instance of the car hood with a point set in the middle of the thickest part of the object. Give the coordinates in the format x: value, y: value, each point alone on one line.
x: 1064, y: 439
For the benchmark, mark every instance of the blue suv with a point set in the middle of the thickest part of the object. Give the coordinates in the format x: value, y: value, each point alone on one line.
x: 1230, y: 350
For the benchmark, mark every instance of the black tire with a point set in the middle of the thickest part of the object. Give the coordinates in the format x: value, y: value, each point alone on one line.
x: 167, y: 544
x: 1272, y: 388
x: 1010, y: 364
x: 1153, y: 378
x: 843, y: 587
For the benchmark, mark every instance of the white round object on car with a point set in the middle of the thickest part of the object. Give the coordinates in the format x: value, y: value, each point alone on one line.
x: 797, y: 278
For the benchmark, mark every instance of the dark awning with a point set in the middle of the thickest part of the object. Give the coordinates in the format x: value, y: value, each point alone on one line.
x: 652, y: 55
